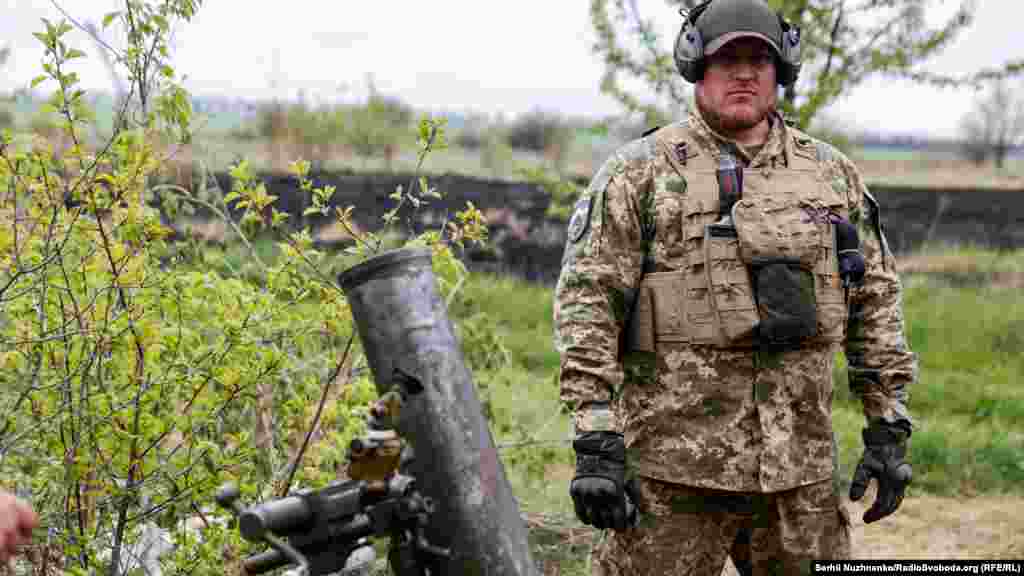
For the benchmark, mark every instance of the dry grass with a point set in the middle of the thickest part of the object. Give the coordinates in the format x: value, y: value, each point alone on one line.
x: 968, y: 266
x: 941, y: 174
x: 931, y: 527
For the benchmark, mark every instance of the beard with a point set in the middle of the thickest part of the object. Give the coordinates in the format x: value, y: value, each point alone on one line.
x: 737, y: 119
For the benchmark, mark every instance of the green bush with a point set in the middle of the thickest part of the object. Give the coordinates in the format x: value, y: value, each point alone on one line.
x: 539, y: 131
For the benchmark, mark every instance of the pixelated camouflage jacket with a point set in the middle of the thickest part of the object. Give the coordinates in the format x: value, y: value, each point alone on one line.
x: 732, y: 419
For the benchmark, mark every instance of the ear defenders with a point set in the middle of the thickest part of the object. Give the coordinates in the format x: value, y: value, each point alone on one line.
x: 689, y: 47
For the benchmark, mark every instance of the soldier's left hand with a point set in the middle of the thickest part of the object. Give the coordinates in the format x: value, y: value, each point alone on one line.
x: 885, y: 448
x: 17, y: 519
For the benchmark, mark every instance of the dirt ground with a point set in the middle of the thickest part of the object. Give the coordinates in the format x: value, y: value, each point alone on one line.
x: 930, y: 527
x: 934, y: 528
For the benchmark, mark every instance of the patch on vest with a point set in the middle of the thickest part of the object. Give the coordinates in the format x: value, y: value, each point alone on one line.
x: 682, y: 152
x: 580, y: 219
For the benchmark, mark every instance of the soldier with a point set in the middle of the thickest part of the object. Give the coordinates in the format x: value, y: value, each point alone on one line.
x: 712, y: 270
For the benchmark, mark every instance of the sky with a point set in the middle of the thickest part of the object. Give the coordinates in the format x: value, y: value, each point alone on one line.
x: 467, y: 55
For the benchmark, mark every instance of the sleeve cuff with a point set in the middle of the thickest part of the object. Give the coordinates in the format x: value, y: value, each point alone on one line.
x: 595, y: 418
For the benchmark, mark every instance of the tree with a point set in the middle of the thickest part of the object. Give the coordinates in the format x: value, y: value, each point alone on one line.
x: 6, y: 118
x: 844, y: 42
x: 377, y: 127
x: 995, y: 126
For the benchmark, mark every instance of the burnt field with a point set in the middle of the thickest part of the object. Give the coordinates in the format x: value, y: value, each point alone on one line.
x: 526, y: 243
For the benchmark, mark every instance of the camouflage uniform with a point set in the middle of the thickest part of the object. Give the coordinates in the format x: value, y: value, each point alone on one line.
x: 725, y: 421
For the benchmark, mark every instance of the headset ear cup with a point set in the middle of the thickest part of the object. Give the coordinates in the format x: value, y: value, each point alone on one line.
x: 689, y: 52
x: 790, y: 68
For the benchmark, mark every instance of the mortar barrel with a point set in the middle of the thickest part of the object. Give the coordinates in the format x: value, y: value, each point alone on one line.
x: 410, y: 343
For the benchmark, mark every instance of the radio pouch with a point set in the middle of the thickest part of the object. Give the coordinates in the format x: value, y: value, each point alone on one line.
x: 780, y: 244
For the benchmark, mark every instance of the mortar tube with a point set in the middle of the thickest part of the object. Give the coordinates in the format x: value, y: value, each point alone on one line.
x: 410, y: 344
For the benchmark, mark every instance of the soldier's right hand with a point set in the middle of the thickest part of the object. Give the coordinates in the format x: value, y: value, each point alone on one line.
x: 599, y: 489
x: 17, y: 519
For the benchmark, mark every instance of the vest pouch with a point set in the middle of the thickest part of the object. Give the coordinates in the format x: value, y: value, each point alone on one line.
x: 731, y: 294
x: 781, y: 243
x: 786, y: 303
x: 659, y: 314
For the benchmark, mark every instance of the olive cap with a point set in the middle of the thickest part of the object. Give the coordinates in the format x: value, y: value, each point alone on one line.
x: 727, y: 20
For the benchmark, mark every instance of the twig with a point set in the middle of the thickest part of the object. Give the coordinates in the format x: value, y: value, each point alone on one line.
x: 294, y: 465
x: 943, y: 202
x: 183, y: 193
x: 531, y: 443
x: 455, y: 290
x: 85, y: 29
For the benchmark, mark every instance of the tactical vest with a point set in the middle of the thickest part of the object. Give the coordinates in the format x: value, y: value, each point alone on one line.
x: 783, y: 216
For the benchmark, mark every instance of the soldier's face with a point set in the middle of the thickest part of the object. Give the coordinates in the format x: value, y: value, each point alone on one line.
x: 739, y: 86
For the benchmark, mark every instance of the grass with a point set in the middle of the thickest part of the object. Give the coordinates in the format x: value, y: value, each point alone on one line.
x: 968, y: 400
x: 966, y: 259
x: 531, y: 430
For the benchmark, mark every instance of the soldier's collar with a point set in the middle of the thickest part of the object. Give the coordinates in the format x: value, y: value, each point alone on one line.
x: 772, y: 151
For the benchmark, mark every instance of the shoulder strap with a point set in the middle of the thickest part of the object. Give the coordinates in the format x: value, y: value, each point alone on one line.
x: 730, y: 183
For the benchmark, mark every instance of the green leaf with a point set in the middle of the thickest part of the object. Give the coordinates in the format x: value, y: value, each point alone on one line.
x: 278, y: 217
x: 42, y: 37
x: 38, y: 80
x: 110, y: 18
x: 328, y: 191
x: 74, y: 53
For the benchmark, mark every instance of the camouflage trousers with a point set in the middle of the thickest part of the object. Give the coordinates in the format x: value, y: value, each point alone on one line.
x: 690, y: 531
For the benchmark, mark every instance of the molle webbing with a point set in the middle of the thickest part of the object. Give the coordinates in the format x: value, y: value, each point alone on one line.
x: 681, y: 305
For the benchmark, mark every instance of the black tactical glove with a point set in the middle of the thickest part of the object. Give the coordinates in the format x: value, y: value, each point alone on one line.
x: 600, y: 492
x: 884, y: 449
